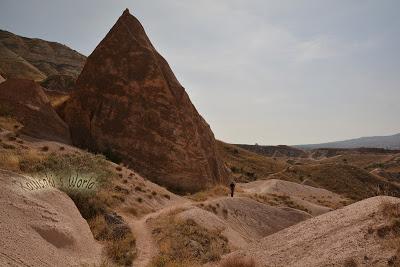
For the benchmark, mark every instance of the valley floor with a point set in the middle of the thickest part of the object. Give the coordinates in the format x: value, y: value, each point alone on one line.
x: 285, y: 218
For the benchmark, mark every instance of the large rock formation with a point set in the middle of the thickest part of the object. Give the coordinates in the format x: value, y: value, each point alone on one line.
x: 36, y: 59
x: 128, y: 104
x: 25, y: 101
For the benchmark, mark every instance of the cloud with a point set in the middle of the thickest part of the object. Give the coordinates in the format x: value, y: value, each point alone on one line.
x: 317, y: 48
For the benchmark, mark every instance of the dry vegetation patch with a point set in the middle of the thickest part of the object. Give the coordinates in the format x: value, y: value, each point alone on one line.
x: 247, y: 166
x: 238, y: 261
x: 387, y: 230
x: 216, y: 191
x: 346, y: 180
x: 94, y: 205
x: 185, y: 243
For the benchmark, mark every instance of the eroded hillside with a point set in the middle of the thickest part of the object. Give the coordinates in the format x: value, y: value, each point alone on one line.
x: 36, y: 59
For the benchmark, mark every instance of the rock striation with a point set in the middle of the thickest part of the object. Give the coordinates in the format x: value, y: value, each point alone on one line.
x: 129, y: 105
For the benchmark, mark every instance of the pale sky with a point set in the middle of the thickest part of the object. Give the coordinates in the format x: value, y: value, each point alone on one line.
x: 271, y: 72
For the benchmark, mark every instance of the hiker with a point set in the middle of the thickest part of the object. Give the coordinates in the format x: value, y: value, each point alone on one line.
x: 232, y: 185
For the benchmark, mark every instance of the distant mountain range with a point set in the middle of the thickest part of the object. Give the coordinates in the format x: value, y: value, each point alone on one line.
x: 387, y: 142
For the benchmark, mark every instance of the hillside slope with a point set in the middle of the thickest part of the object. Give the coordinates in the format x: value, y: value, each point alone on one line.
x: 190, y: 235
x: 275, y: 151
x: 314, y: 200
x: 246, y: 165
x: 36, y: 59
x: 42, y: 227
x: 347, y: 180
x: 362, y: 234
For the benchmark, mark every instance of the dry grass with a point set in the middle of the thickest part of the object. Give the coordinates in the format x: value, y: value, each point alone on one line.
x: 163, y: 261
x: 184, y: 241
x: 390, y: 210
x: 56, y: 100
x: 93, y: 205
x: 387, y: 231
x: 216, y: 191
x: 9, y: 123
x: 121, y: 250
x: 343, y: 179
x: 98, y: 226
x: 350, y: 263
x: 16, y: 159
x: 391, y: 226
x: 117, y: 238
x: 248, y: 166
x: 237, y: 261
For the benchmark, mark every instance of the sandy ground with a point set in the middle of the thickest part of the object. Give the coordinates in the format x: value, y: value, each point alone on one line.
x: 35, y: 233
x: 246, y: 220
x: 251, y: 219
x: 326, y: 240
x: 143, y: 199
x: 145, y: 247
x: 42, y: 227
x: 316, y: 200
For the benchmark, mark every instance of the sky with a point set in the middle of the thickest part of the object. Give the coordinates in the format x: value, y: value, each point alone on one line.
x: 259, y: 71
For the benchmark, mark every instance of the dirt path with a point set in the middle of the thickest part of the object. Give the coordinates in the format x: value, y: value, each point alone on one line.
x: 146, y: 249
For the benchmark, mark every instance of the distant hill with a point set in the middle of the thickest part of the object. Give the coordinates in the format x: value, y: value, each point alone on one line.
x: 387, y: 142
x: 36, y: 59
x: 275, y: 151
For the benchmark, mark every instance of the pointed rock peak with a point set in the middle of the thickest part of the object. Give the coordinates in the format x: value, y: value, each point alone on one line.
x: 166, y: 140
x: 126, y: 12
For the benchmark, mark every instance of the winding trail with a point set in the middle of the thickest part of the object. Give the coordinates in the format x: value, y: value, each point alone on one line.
x: 146, y: 249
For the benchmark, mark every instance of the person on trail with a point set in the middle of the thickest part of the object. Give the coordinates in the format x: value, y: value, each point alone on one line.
x: 232, y: 186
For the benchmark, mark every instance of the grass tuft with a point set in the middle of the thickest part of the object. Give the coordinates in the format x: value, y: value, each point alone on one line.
x: 184, y: 241
x: 237, y: 261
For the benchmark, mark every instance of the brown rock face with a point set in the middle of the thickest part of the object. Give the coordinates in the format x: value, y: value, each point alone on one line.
x: 25, y: 101
x: 128, y: 104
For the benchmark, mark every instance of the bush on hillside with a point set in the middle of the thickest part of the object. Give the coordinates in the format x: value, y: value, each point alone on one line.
x: 184, y: 241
